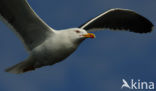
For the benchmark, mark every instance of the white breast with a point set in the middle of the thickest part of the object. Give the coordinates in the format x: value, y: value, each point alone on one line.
x: 53, y: 50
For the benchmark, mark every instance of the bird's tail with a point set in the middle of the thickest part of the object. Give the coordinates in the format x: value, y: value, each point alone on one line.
x: 27, y: 65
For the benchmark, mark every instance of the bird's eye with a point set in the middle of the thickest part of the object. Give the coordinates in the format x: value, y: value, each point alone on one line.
x: 77, y: 31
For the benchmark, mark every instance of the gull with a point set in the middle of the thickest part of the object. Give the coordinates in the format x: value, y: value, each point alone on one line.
x: 48, y: 46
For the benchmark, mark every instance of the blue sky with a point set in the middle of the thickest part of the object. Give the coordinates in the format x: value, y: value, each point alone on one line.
x: 98, y: 65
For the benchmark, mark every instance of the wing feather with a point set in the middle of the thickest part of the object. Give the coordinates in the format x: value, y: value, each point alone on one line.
x: 119, y: 19
x: 27, y: 24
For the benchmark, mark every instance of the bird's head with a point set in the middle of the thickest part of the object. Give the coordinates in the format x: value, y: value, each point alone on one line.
x: 77, y: 34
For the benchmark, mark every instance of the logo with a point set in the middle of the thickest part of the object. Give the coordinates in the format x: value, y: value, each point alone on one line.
x: 138, y: 84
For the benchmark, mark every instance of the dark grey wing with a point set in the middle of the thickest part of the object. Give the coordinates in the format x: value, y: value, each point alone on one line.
x: 121, y: 19
x: 26, y: 23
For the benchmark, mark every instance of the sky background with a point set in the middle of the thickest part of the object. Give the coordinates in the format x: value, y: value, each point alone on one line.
x: 99, y: 64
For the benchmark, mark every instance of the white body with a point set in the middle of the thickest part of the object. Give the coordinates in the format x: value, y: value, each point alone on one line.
x: 47, y: 53
x: 56, y: 47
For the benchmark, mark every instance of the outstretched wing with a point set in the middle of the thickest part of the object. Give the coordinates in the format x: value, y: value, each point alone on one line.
x: 26, y: 23
x: 121, y: 19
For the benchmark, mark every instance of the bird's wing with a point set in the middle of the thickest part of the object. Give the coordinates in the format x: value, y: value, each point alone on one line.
x: 121, y: 19
x: 26, y: 23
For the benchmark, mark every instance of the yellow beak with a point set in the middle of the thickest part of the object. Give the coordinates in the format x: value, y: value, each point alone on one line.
x: 89, y: 35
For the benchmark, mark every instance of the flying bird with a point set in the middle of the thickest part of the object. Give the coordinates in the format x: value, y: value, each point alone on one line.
x: 48, y: 46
